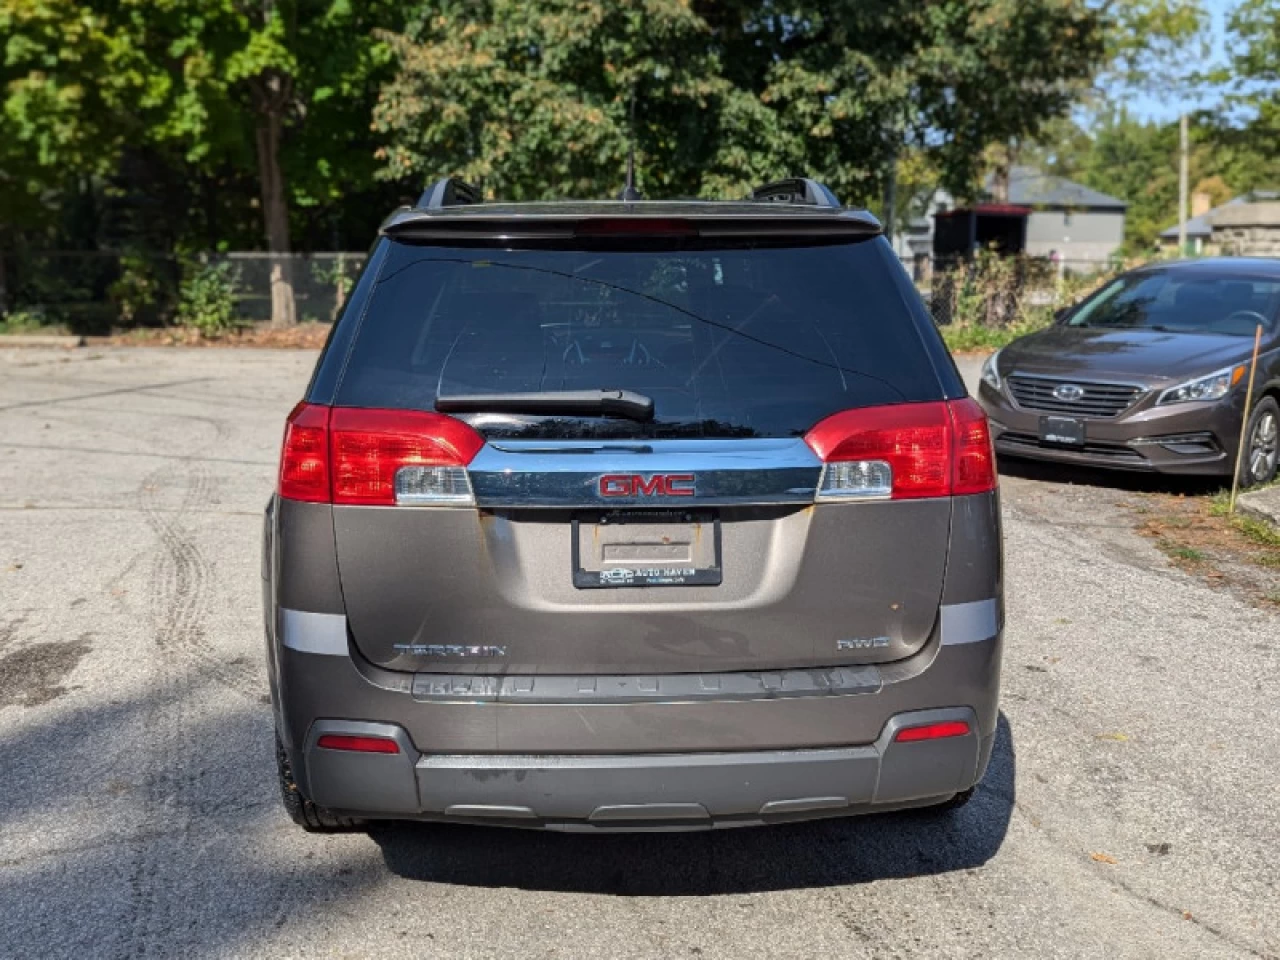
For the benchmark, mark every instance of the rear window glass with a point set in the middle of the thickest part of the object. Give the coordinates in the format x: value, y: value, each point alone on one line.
x: 727, y: 342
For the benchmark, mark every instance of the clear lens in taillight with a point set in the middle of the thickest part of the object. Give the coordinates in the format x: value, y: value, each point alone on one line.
x: 904, y: 451
x: 856, y: 479
x: 427, y: 485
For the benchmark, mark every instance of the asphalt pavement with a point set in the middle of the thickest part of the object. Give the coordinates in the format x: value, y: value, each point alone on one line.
x: 1130, y: 810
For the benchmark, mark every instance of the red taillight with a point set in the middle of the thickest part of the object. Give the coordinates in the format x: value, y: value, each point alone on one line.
x: 344, y: 455
x: 635, y: 226
x: 304, y: 460
x: 973, y: 467
x: 335, y: 741
x: 933, y: 731
x: 369, y: 446
x: 933, y: 449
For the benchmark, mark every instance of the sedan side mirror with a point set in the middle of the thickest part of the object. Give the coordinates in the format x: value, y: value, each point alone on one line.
x: 1060, y: 315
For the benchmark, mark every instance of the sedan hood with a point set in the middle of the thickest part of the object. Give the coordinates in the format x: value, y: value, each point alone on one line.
x: 1095, y: 353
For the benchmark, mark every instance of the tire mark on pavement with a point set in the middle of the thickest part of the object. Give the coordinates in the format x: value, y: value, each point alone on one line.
x: 184, y: 577
x: 101, y: 393
x: 180, y: 587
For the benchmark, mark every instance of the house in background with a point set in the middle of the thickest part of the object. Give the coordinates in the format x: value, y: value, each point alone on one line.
x: 1200, y: 239
x: 1081, y: 227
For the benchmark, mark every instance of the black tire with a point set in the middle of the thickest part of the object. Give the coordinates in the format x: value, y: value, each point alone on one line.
x: 303, y: 812
x: 956, y: 802
x: 946, y: 807
x: 1261, y: 459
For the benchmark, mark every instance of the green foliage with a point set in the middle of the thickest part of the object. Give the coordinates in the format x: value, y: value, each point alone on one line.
x: 24, y: 321
x: 996, y: 299
x: 1138, y: 162
x: 86, y: 85
x: 1150, y: 42
x: 340, y: 273
x: 979, y: 339
x: 1254, y: 43
x: 207, y: 299
x: 141, y: 293
x: 533, y: 100
x: 137, y: 124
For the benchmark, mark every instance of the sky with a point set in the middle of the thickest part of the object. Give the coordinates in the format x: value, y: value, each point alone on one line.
x: 1151, y: 106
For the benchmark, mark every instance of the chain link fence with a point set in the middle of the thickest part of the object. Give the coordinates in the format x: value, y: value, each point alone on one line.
x: 321, y: 282
x: 995, y: 291
x: 96, y: 291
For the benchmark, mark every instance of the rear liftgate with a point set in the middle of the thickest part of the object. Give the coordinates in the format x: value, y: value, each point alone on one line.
x: 624, y: 558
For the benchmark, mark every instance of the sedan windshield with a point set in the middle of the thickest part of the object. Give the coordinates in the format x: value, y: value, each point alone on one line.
x: 1183, y: 303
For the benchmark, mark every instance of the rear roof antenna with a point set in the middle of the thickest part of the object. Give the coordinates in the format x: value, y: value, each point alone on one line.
x: 629, y: 193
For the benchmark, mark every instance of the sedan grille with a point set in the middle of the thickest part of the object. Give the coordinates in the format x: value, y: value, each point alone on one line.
x: 1073, y: 397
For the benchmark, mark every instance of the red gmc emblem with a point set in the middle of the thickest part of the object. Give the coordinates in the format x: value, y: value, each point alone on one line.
x: 654, y: 485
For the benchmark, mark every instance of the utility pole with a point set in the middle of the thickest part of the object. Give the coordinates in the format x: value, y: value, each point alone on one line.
x: 891, y: 197
x: 1182, y: 186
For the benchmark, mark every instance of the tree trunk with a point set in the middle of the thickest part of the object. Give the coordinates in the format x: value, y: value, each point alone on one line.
x: 1000, y: 179
x: 4, y: 284
x: 275, y: 212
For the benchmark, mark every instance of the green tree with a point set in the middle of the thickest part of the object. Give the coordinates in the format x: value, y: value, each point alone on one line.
x: 280, y: 90
x: 533, y: 99
x: 1254, y: 43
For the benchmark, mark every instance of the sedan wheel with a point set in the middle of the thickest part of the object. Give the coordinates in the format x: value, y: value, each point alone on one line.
x: 1263, y: 439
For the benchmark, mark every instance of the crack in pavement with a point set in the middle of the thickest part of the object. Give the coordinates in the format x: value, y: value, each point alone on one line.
x: 187, y: 458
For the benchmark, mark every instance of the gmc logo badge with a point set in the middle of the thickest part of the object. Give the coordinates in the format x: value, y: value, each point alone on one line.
x: 654, y: 485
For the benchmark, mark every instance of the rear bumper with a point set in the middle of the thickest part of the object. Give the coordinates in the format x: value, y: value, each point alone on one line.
x: 645, y: 791
x: 668, y: 752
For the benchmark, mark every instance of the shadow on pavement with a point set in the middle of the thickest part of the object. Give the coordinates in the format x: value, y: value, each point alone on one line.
x: 134, y: 828
x: 817, y: 854
x: 1063, y: 473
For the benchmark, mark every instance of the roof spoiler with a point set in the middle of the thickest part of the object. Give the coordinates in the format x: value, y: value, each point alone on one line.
x: 449, y: 192
x: 796, y: 190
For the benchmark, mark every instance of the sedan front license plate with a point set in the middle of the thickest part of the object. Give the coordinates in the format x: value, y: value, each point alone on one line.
x: 1062, y: 431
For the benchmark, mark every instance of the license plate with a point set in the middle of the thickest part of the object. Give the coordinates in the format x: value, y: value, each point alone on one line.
x: 646, y: 549
x: 1062, y: 431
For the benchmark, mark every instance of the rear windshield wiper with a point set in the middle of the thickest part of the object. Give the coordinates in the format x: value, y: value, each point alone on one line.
x: 581, y: 403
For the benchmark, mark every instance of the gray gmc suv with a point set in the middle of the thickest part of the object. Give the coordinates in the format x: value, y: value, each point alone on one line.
x: 632, y: 515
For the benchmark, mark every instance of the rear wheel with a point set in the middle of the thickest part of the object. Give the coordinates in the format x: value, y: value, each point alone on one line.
x: 1261, y: 444
x: 303, y: 812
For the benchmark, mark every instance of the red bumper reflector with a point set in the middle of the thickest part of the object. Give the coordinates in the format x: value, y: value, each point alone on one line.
x: 335, y: 741
x: 933, y: 731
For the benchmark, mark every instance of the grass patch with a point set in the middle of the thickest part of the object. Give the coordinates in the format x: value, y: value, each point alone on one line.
x: 1259, y: 531
x: 27, y: 321
x: 962, y: 338
x: 1251, y: 528
x: 1197, y: 534
x: 1186, y: 554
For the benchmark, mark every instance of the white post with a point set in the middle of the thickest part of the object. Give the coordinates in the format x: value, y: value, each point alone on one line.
x: 1182, y: 186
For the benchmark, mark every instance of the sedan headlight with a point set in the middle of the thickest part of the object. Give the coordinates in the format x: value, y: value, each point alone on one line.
x: 1212, y: 387
x: 990, y: 372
